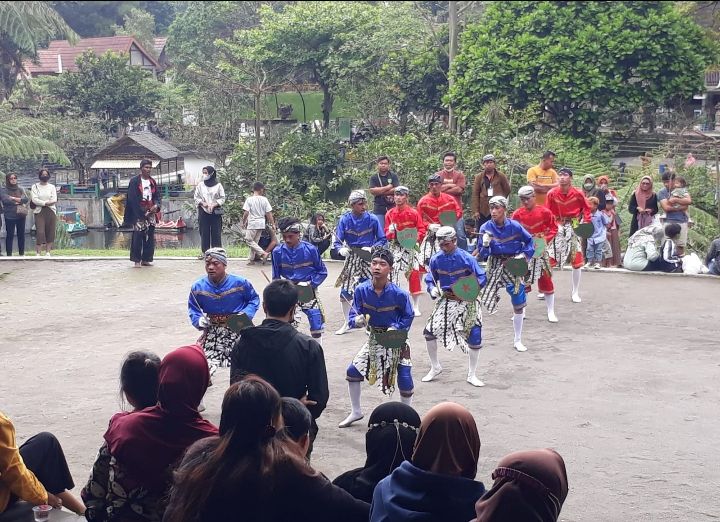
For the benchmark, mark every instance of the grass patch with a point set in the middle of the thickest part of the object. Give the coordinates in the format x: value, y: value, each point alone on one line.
x: 239, y: 251
x: 313, y: 106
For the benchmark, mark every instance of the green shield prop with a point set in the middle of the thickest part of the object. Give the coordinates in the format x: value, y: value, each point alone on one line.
x: 407, y: 238
x: 362, y: 254
x: 393, y: 339
x: 517, y: 266
x: 540, y: 245
x: 584, y: 230
x: 238, y: 323
x: 466, y: 288
x: 448, y: 218
x: 305, y: 293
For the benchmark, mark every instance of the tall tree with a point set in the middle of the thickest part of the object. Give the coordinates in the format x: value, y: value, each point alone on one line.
x: 140, y: 25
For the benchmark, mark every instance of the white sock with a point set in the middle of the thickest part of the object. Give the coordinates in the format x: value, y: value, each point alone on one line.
x: 432, y: 353
x: 416, y: 301
x: 473, y: 358
x: 406, y: 400
x: 354, y: 388
x: 517, y: 326
x: 576, y: 273
x: 345, y: 309
x: 550, y: 302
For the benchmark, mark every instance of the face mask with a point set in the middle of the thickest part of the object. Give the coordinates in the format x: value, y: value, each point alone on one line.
x: 206, y: 177
x: 588, y: 186
x: 45, y: 178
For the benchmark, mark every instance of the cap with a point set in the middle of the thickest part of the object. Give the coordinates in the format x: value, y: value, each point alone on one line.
x: 402, y: 190
x: 435, y: 178
x: 499, y: 200
x: 488, y: 157
x: 355, y: 196
x: 526, y: 191
x: 445, y: 234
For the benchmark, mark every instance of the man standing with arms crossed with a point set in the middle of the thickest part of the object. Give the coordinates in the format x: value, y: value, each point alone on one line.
x: 543, y: 177
x: 382, y: 186
x: 453, y: 184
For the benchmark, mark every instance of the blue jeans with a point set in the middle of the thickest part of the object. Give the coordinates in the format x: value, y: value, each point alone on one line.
x: 594, y: 252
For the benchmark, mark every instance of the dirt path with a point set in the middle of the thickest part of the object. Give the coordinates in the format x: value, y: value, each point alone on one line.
x: 624, y: 387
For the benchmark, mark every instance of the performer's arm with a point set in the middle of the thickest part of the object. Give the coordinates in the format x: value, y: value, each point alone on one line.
x: 194, y: 310
x: 479, y: 274
x: 430, y: 278
x: 380, y: 238
x: 406, y: 315
x: 320, y: 273
x: 458, y: 210
x: 388, y: 233
x: 421, y: 227
x: 483, y: 251
x: 276, y: 263
x: 585, y: 209
x: 527, y: 241
x: 339, y: 234
x: 253, y: 303
x: 551, y: 227
x: 355, y: 309
x: 156, y: 197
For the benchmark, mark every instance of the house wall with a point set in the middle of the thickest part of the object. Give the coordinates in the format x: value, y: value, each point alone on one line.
x: 193, y: 167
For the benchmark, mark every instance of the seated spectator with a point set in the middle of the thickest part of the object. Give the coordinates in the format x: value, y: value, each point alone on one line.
x: 669, y: 250
x: 318, y: 233
x: 139, y: 379
x: 529, y: 486
x: 443, y: 467
x: 36, y: 472
x: 249, y: 473
x: 268, y: 240
x: 643, y: 253
x: 132, y: 473
x: 389, y: 441
x: 297, y: 421
x: 712, y: 259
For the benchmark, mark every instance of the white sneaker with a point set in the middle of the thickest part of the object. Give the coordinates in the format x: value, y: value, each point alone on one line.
x: 416, y: 311
x: 472, y: 379
x: 345, y: 328
x: 576, y: 298
x: 47, y: 254
x: 597, y: 266
x: 552, y: 317
x: 520, y: 347
x: 541, y: 296
x: 434, y: 372
x: 350, y: 420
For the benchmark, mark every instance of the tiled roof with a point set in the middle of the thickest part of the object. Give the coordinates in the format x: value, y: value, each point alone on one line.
x: 159, y: 45
x: 147, y: 140
x: 47, y: 60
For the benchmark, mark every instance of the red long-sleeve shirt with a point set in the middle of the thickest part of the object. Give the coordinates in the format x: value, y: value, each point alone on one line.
x: 568, y: 206
x: 407, y: 217
x: 538, y: 222
x: 429, y: 207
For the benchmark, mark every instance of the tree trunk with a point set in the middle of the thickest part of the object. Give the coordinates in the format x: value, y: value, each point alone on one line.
x: 257, y: 136
x: 327, y: 106
x: 453, y: 33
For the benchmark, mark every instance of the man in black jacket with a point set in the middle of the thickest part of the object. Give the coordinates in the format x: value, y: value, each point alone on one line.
x: 292, y: 362
x: 141, y: 213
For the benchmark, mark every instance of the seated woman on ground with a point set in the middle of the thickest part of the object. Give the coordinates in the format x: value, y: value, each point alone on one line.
x: 318, y: 233
x: 132, y: 472
x: 250, y: 473
x: 36, y: 472
x: 644, y: 252
x: 438, y: 484
x: 389, y: 441
x: 139, y: 379
x: 529, y: 485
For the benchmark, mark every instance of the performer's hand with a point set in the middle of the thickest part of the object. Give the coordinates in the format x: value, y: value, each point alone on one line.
x: 435, y: 292
x: 367, y: 249
x: 344, y: 251
x: 204, y: 321
x: 54, y: 501
x: 307, y: 402
x: 392, y: 227
x: 303, y: 283
x: 486, y: 239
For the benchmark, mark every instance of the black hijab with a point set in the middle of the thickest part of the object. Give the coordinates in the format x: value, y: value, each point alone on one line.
x: 392, y: 430
x: 212, y: 180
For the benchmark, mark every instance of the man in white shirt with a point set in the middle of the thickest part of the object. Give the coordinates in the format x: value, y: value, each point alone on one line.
x: 257, y: 210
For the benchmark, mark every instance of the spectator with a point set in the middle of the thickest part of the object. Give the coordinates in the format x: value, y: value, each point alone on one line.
x: 603, y: 183
x: 318, y: 233
x: 490, y: 182
x: 298, y: 422
x: 104, y: 177
x: 389, y: 441
x: 643, y: 251
x: 131, y: 474
x: 257, y: 213
x: 13, y: 203
x: 594, y: 252
x: 248, y: 473
x: 443, y: 467
x: 268, y: 241
x: 209, y: 199
x: 43, y: 197
x: 139, y: 379
x: 453, y: 184
x: 675, y: 210
x: 712, y: 259
x: 543, y: 177
x: 37, y: 472
x: 669, y: 250
x: 382, y: 186
x: 612, y: 259
x: 142, y: 213
x: 643, y: 205
x: 529, y: 485
x: 292, y: 362
x: 592, y: 191
x: 680, y: 190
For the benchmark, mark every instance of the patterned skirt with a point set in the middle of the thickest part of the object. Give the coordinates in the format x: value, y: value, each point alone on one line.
x: 379, y: 365
x: 536, y: 267
x: 405, y: 262
x: 497, y: 279
x: 354, y: 271
x: 564, y: 245
x: 218, y: 341
x: 428, y: 248
x: 452, y: 320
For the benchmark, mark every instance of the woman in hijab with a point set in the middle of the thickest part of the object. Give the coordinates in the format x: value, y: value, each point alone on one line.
x: 529, y: 486
x: 15, y: 207
x: 592, y: 191
x: 643, y: 205
x: 132, y: 473
x: 644, y: 251
x: 209, y: 198
x: 438, y: 484
x: 392, y: 430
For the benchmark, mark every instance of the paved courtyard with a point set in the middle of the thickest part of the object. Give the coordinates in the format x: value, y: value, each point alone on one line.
x: 625, y: 387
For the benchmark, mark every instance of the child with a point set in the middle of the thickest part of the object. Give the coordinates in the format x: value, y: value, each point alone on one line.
x: 680, y: 190
x: 612, y: 244
x: 139, y: 379
x: 594, y: 253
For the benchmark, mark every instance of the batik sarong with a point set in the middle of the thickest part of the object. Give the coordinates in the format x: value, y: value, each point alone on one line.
x: 498, y: 278
x: 452, y: 320
x: 354, y: 271
x: 378, y: 364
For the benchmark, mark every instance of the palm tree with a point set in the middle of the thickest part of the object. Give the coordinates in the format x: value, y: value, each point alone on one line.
x: 20, y: 139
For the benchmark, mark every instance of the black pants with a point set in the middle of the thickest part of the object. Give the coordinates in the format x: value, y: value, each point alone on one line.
x: 142, y: 247
x: 210, y: 230
x: 12, y: 225
x: 322, y: 246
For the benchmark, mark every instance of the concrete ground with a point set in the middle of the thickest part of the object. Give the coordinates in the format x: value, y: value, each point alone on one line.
x: 624, y: 387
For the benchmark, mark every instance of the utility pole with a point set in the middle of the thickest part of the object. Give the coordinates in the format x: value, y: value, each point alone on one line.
x: 453, y: 34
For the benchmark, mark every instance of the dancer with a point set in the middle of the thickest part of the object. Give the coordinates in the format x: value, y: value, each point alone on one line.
x: 213, y: 300
x: 356, y: 230
x: 430, y: 206
x: 568, y: 205
x: 300, y: 262
x: 502, y: 240
x: 386, y: 307
x: 540, y: 222
x: 454, y: 321
x: 407, y: 260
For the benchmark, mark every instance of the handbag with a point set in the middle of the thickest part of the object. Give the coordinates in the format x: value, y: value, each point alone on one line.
x: 33, y: 206
x: 21, y: 210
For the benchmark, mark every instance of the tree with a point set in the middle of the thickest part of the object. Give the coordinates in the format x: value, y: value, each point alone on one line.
x: 110, y: 88
x: 582, y: 62
x: 21, y: 138
x: 98, y: 18
x: 140, y: 25
x: 23, y: 27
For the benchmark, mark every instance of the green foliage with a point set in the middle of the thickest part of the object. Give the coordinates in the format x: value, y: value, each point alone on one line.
x: 97, y: 18
x: 108, y: 87
x: 584, y: 62
x: 140, y: 25
x: 21, y: 138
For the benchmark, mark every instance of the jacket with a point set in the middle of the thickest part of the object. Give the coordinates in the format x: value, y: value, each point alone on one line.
x: 133, y: 208
x: 8, y: 206
x: 15, y: 478
x: 480, y: 196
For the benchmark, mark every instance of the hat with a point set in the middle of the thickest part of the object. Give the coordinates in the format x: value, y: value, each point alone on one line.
x: 499, y: 200
x: 217, y: 253
x: 355, y: 196
x: 292, y: 225
x: 488, y: 157
x: 402, y: 190
x: 565, y: 170
x: 445, y: 234
x: 383, y: 253
x: 526, y: 191
x: 435, y: 178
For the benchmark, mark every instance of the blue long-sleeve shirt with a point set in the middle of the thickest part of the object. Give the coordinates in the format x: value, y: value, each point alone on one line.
x: 507, y: 240
x: 301, y: 264
x: 600, y: 221
x: 446, y: 269
x: 363, y: 231
x: 392, y: 308
x: 234, y: 295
